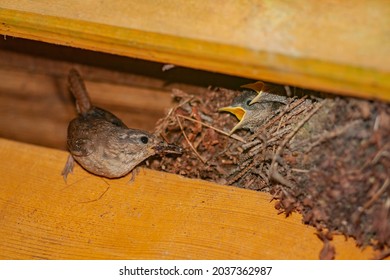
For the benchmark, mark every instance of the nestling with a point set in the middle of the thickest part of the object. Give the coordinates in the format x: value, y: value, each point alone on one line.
x: 252, y: 114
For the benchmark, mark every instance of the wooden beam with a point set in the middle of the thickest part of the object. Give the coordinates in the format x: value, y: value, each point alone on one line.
x: 337, y: 46
x: 158, y: 216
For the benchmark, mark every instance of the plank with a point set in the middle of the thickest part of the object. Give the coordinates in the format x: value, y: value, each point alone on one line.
x: 158, y: 216
x: 333, y: 45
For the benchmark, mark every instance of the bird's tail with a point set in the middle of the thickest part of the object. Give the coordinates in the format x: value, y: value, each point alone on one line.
x: 77, y: 87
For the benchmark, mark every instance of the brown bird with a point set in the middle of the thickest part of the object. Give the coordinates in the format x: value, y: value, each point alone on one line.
x: 252, y: 116
x: 267, y: 92
x: 101, y: 143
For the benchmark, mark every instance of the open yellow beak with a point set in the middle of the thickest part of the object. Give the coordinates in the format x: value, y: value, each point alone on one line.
x: 238, y: 112
x: 258, y: 87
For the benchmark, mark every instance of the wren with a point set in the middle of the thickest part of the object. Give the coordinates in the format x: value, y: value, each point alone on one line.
x: 101, y: 143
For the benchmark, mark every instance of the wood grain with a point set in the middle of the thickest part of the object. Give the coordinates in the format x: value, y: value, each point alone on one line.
x: 158, y: 216
x: 335, y: 45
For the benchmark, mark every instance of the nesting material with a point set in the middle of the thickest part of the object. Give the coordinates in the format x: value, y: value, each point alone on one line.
x: 327, y: 158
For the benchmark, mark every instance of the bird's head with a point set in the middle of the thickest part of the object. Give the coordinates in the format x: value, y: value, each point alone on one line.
x: 240, y: 108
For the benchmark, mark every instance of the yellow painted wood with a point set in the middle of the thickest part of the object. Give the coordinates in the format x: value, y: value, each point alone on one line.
x: 335, y: 45
x: 158, y: 216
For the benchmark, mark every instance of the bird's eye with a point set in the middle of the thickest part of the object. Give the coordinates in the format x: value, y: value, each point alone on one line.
x: 248, y: 102
x: 144, y: 139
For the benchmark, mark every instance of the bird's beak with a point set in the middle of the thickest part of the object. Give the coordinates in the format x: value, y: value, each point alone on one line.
x: 239, y: 112
x: 258, y: 87
x: 163, y: 148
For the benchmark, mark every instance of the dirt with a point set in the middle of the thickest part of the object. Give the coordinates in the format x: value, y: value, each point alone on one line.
x: 325, y: 157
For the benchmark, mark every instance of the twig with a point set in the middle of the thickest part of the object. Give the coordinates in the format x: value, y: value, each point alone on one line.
x: 289, y: 137
x: 212, y: 127
x: 251, y: 144
x: 381, y: 153
x: 279, y: 178
x: 164, y: 138
x: 331, y: 134
x: 96, y: 199
x: 241, y: 173
x: 188, y: 140
x: 377, y: 195
x: 288, y: 91
x: 359, y: 212
x: 277, y: 134
x: 300, y: 170
x: 376, y: 123
x: 171, y: 111
x: 287, y: 109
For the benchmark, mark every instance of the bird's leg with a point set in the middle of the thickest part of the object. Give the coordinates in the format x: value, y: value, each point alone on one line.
x: 133, y: 173
x: 68, y: 168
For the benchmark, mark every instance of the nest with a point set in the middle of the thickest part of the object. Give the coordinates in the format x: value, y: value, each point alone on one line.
x: 326, y: 158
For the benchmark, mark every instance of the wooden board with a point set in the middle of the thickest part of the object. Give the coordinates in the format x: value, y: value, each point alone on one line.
x: 158, y: 216
x: 335, y: 45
